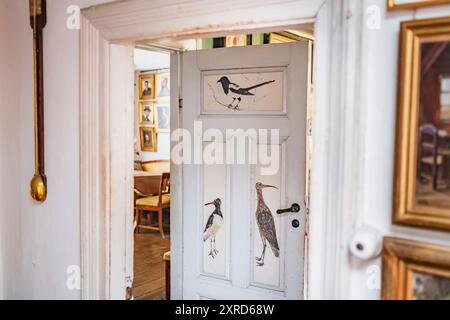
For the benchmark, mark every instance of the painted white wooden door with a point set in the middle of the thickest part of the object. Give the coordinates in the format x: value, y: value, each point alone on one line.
x: 261, y: 90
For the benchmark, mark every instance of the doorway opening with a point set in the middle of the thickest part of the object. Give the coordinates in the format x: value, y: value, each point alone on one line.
x: 152, y: 146
x: 151, y: 174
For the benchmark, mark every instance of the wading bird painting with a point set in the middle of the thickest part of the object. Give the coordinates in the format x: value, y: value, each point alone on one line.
x: 243, y: 92
x: 266, y: 225
x: 215, y: 222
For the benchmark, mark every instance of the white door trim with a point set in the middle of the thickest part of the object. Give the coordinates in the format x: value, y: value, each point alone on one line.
x: 129, y: 21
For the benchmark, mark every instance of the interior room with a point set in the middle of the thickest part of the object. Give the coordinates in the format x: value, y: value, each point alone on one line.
x: 152, y: 173
x: 433, y: 176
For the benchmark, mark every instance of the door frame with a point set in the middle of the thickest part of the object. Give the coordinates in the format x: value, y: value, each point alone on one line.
x: 107, y: 28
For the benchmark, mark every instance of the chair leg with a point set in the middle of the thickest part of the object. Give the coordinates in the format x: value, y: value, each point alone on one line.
x: 160, y: 222
x: 138, y: 220
x: 435, y: 176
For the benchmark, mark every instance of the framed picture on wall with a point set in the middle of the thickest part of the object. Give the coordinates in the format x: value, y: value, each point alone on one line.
x: 409, y: 4
x: 146, y: 86
x: 280, y: 38
x: 163, y: 118
x: 146, y: 112
x: 414, y: 270
x: 163, y: 85
x: 422, y: 152
x: 148, y: 139
x: 236, y: 40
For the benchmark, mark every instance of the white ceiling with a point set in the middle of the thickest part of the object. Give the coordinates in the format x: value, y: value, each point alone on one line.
x: 150, y: 60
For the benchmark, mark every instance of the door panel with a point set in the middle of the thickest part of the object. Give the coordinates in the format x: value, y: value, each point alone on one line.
x: 272, y: 275
x: 219, y: 265
x: 256, y: 89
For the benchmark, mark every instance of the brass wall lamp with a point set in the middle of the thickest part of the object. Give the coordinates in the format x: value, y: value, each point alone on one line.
x: 38, y: 20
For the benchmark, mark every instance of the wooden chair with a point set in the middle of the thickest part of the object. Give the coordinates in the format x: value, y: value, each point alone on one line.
x: 429, y: 158
x: 155, y: 198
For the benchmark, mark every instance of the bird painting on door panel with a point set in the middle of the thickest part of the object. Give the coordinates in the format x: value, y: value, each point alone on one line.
x: 230, y: 94
x: 213, y: 225
x: 266, y: 225
x: 236, y: 92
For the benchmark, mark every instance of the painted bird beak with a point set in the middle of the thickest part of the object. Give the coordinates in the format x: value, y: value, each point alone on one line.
x: 209, y: 203
x: 269, y: 186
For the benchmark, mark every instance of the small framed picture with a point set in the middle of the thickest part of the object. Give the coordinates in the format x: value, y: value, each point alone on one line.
x: 146, y: 113
x: 163, y: 118
x: 236, y: 41
x: 279, y: 38
x: 415, y: 271
x: 411, y: 4
x: 148, y: 139
x: 163, y: 85
x: 146, y: 86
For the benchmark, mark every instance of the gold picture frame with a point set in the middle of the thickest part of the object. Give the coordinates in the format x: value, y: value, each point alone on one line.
x: 146, y: 112
x: 147, y: 86
x: 149, y: 139
x: 408, y: 208
x: 412, y: 270
x: 412, y: 4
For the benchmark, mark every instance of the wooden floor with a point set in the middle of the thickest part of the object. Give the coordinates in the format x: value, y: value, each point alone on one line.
x: 149, y: 276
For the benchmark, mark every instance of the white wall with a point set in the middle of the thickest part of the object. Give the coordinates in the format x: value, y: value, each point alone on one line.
x: 9, y: 151
x: 380, y: 84
x: 39, y: 242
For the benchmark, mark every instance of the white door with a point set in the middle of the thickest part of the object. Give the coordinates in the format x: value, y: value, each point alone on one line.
x: 261, y: 90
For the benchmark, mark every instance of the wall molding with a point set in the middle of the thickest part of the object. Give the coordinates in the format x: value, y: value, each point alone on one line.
x: 180, y: 18
x: 92, y: 196
x: 337, y: 165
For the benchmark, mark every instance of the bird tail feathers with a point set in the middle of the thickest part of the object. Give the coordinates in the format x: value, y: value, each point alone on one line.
x: 259, y: 85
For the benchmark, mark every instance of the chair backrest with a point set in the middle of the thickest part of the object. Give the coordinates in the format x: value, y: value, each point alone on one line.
x: 428, y: 141
x: 164, y: 186
x: 165, y: 183
x: 157, y: 185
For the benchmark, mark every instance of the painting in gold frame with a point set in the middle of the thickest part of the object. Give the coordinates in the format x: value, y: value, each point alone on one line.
x: 146, y: 112
x: 414, y: 270
x: 411, y: 4
x: 146, y: 86
x: 422, y: 169
x: 148, y: 139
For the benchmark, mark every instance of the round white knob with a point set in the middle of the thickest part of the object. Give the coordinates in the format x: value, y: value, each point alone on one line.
x: 365, y: 243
